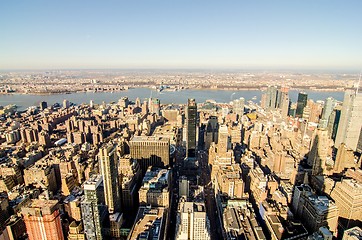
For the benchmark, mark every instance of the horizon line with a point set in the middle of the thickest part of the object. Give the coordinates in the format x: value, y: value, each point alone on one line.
x: 243, y: 69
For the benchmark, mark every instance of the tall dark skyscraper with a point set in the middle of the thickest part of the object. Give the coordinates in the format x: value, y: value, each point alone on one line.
x: 302, y: 102
x: 43, y: 105
x: 333, y: 122
x: 191, y: 126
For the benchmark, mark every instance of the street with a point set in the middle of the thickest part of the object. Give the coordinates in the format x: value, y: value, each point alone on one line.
x: 212, y: 214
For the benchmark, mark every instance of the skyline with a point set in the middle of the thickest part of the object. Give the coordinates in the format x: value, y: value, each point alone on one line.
x: 287, y: 35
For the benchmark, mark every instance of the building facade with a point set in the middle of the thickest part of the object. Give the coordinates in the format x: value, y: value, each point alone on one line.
x: 109, y: 167
x: 350, y: 122
x: 192, y: 222
x: 42, y: 220
x: 191, y: 127
x: 94, y: 210
x: 155, y: 188
x: 301, y: 104
x: 150, y: 151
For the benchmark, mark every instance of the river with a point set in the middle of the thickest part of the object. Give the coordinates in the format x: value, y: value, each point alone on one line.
x: 24, y: 101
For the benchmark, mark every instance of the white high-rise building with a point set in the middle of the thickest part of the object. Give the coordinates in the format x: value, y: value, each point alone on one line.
x: 350, y: 122
x: 238, y: 106
x: 192, y: 222
x: 109, y: 168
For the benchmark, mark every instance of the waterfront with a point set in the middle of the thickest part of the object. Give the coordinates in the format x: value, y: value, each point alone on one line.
x: 24, y: 101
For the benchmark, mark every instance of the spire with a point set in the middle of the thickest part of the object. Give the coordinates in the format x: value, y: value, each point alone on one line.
x: 359, y: 80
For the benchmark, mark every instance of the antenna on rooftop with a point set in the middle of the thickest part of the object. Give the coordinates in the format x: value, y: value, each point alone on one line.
x: 359, y: 81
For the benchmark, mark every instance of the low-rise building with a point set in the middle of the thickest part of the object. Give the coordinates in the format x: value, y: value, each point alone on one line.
x: 155, y: 188
x: 150, y: 223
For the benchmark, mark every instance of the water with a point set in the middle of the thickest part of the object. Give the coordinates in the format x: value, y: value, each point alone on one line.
x: 24, y: 101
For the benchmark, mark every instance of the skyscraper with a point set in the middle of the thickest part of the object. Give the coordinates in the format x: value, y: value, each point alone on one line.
x: 333, y: 122
x: 123, y: 102
x: 155, y: 106
x: 43, y: 105
x: 66, y: 103
x: 283, y: 101
x: 350, y: 122
x: 130, y: 176
x: 271, y: 97
x: 211, y: 131
x: 328, y: 107
x: 94, y: 210
x: 344, y: 158
x: 359, y: 144
x: 42, y: 220
x: 320, y: 152
x: 223, y: 143
x: 109, y: 167
x: 191, y: 126
x: 301, y: 104
x: 348, y: 197
x: 192, y: 222
x: 138, y: 102
x: 238, y: 107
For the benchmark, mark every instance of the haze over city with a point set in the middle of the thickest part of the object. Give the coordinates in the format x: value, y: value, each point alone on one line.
x: 180, y: 120
x: 293, y: 35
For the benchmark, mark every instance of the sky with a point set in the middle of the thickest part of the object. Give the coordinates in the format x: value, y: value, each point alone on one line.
x: 289, y: 34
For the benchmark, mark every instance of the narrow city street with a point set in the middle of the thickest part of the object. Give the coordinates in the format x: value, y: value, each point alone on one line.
x: 212, y: 214
x: 205, y: 180
x: 179, y: 156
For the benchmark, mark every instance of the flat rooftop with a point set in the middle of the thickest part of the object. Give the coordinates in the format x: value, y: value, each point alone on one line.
x: 150, y: 139
x: 45, y: 206
x: 148, y: 224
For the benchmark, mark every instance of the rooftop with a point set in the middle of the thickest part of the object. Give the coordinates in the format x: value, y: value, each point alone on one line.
x: 321, y: 203
x: 156, y: 179
x: 148, y: 223
x: 192, y: 207
x: 93, y: 182
x: 353, y: 233
x: 149, y: 139
x: 40, y: 206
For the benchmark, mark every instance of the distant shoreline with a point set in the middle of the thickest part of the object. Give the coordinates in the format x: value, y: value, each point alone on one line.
x: 166, y: 97
x: 262, y: 88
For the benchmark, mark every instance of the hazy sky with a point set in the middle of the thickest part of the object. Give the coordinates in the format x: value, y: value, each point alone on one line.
x: 290, y: 34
